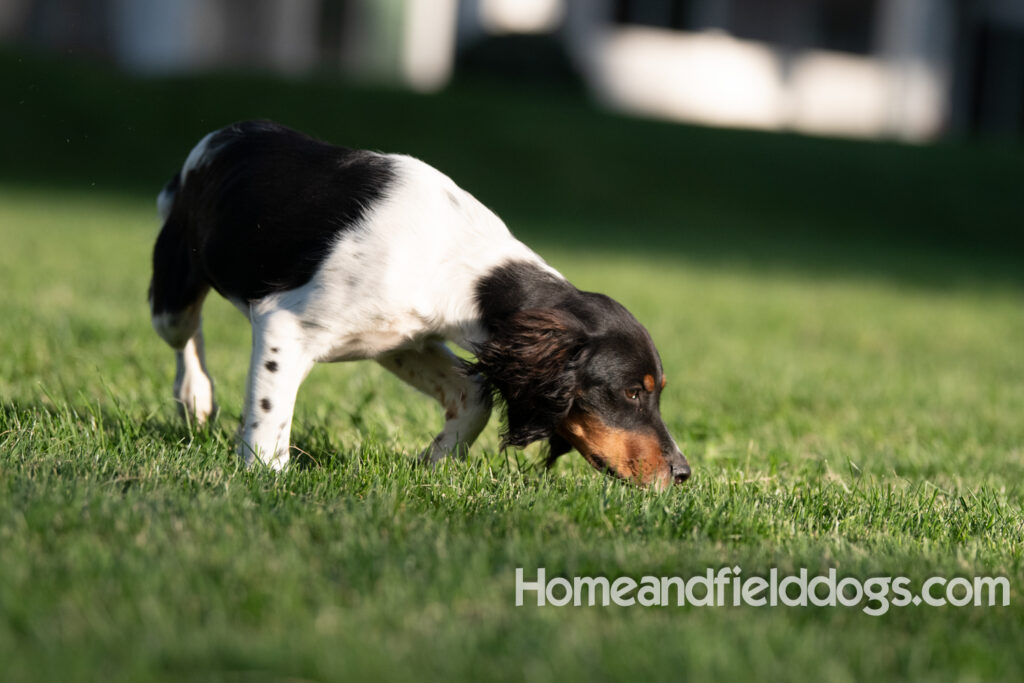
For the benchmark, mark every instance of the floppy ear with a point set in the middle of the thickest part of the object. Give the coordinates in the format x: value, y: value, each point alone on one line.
x: 531, y: 361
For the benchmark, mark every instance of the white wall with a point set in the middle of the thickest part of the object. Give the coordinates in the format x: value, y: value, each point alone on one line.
x: 901, y: 91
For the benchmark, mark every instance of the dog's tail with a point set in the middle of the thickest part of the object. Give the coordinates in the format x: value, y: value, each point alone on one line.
x: 176, y: 295
x: 178, y: 287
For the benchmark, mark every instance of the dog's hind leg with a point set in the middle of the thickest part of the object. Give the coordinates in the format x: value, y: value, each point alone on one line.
x: 176, y: 295
x: 437, y: 372
x: 279, y: 363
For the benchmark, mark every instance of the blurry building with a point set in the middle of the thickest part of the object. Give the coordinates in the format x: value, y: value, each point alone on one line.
x: 407, y: 40
x: 907, y: 69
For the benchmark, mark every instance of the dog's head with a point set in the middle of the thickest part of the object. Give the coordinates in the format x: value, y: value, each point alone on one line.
x: 585, y: 375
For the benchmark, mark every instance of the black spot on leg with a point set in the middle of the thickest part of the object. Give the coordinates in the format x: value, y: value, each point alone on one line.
x: 274, y: 349
x: 452, y: 198
x: 265, y: 404
x: 271, y: 365
x: 255, y: 424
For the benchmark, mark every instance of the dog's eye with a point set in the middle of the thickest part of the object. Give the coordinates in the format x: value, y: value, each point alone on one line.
x: 633, y: 394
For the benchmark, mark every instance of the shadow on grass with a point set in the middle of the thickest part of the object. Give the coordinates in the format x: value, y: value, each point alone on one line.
x: 116, y: 431
x: 76, y: 417
x: 561, y: 173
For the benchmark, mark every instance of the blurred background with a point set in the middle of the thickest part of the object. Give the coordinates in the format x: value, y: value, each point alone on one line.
x: 911, y: 70
x: 821, y: 136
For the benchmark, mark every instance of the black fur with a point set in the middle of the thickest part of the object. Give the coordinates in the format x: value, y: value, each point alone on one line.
x: 260, y: 215
x: 262, y: 207
x: 516, y: 286
x: 531, y: 360
x: 553, y: 347
x: 557, y: 447
x: 177, y: 284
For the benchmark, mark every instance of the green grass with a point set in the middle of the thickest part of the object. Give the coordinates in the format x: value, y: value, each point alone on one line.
x: 841, y: 325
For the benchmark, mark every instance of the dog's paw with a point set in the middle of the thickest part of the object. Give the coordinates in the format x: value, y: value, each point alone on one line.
x: 195, y: 400
x: 440, y: 448
x: 254, y: 456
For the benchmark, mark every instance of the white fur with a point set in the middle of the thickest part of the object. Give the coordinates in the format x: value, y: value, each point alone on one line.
x: 418, y: 257
x: 277, y: 338
x: 434, y: 370
x: 391, y: 290
x: 193, y: 388
x: 164, y: 203
x: 176, y: 328
x: 198, y: 157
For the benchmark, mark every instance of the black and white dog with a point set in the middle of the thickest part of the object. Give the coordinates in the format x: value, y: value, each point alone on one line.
x: 336, y: 254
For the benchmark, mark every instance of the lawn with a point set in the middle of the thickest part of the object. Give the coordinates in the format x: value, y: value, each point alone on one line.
x: 841, y: 324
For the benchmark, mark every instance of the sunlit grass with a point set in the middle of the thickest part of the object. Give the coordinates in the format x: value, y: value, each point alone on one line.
x: 841, y: 326
x: 839, y: 422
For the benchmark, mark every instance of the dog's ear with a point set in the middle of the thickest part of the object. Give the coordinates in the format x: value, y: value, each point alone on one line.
x: 531, y: 359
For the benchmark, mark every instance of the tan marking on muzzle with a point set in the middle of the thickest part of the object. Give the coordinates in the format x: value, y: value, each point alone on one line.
x: 629, y: 455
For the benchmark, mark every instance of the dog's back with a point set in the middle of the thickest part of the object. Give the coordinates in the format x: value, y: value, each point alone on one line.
x: 337, y: 254
x: 333, y: 254
x: 259, y: 207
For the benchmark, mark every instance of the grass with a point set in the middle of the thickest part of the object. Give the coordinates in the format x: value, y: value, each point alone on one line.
x: 840, y: 323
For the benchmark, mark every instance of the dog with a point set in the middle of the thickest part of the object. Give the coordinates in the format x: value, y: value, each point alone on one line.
x: 335, y: 254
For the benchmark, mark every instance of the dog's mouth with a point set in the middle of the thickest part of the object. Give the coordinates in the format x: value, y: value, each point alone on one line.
x: 660, y: 480
x: 600, y: 464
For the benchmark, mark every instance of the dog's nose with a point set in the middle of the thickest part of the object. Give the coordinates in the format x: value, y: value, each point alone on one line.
x: 677, y: 465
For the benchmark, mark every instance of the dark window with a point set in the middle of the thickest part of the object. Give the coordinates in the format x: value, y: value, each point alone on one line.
x: 997, y: 82
x: 779, y: 22
x: 847, y: 25
x: 842, y: 25
x: 659, y: 13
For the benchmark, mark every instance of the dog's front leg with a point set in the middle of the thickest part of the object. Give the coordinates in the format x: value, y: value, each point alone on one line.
x: 279, y: 363
x: 437, y: 372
